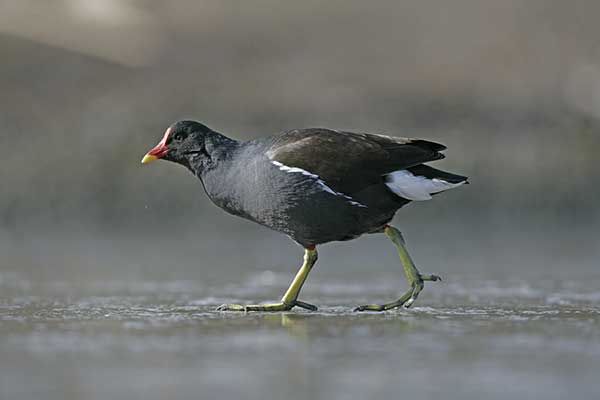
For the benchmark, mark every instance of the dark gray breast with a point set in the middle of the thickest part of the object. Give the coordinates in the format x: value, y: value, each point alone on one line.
x: 294, y: 200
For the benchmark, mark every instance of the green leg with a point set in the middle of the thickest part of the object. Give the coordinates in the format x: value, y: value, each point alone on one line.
x: 290, y: 298
x: 415, y: 278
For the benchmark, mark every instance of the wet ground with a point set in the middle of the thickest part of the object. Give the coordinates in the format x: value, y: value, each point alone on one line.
x: 468, y: 339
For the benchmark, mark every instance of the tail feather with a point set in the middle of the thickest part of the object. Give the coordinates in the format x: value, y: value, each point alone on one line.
x: 433, y: 173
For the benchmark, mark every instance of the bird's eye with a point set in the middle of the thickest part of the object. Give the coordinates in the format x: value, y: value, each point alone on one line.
x: 178, y: 137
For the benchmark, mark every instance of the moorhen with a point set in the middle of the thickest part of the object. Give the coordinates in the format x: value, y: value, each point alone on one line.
x: 315, y: 185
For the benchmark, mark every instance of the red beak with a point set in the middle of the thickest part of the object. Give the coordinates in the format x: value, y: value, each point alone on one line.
x: 159, y: 150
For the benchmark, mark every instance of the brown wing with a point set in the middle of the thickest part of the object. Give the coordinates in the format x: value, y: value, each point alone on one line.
x: 348, y: 161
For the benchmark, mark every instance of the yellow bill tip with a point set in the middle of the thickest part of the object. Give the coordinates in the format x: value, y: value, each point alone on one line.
x: 148, y: 158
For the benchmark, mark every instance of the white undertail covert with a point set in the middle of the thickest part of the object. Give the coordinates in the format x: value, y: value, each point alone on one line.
x: 414, y: 187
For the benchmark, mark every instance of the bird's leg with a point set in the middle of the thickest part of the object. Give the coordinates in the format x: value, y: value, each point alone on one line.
x: 290, y: 298
x: 415, y: 278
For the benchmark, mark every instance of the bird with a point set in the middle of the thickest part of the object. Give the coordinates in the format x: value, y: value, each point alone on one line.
x: 315, y: 185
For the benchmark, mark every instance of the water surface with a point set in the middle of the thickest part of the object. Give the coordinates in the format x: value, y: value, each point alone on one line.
x: 163, y: 339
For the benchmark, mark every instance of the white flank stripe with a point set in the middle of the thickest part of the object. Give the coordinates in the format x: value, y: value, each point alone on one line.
x: 413, y: 187
x: 318, y: 180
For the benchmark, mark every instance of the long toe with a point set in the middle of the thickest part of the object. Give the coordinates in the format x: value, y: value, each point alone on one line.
x: 417, y: 286
x: 270, y: 307
x: 231, y: 307
x: 370, y: 307
x: 306, y: 306
x: 431, y: 277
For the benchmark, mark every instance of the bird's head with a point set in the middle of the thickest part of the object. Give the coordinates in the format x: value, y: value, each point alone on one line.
x: 184, y: 142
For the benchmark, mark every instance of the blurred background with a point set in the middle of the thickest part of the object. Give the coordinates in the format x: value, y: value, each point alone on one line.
x: 87, y: 87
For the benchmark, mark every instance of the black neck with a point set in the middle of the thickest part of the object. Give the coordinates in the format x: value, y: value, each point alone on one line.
x: 216, y: 151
